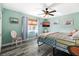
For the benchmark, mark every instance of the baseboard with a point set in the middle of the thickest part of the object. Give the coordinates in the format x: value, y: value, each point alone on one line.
x: 14, y: 43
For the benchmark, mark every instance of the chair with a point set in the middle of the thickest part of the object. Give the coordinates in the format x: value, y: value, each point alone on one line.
x: 15, y: 38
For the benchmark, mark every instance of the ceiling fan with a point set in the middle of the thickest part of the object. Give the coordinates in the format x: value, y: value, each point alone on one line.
x: 47, y: 10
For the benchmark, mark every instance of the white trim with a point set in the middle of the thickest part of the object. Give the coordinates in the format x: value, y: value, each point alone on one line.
x: 9, y: 44
x: 15, y: 42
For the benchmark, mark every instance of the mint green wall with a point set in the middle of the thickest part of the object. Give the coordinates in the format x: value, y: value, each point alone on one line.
x: 40, y: 28
x: 60, y: 27
x: 45, y: 28
x: 7, y: 27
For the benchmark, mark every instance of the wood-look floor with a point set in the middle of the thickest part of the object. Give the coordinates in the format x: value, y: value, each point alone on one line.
x: 29, y: 48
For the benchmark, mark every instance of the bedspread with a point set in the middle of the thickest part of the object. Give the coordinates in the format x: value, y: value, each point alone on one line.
x: 56, y: 35
x: 54, y: 38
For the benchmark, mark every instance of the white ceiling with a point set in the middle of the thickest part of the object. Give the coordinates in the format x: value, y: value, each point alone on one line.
x: 35, y: 9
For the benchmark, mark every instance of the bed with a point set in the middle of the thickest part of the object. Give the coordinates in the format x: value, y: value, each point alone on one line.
x: 58, y: 40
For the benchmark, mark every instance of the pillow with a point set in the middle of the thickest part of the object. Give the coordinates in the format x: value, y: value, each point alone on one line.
x: 76, y: 35
x: 72, y: 32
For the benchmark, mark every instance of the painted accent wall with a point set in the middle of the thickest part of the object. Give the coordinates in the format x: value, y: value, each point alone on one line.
x: 60, y: 27
x: 7, y: 27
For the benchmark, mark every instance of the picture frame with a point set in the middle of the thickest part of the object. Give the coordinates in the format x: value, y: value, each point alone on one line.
x: 69, y: 22
x: 14, y: 20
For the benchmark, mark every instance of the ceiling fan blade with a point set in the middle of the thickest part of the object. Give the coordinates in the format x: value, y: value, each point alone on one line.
x: 51, y: 14
x: 52, y: 11
x: 44, y: 11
